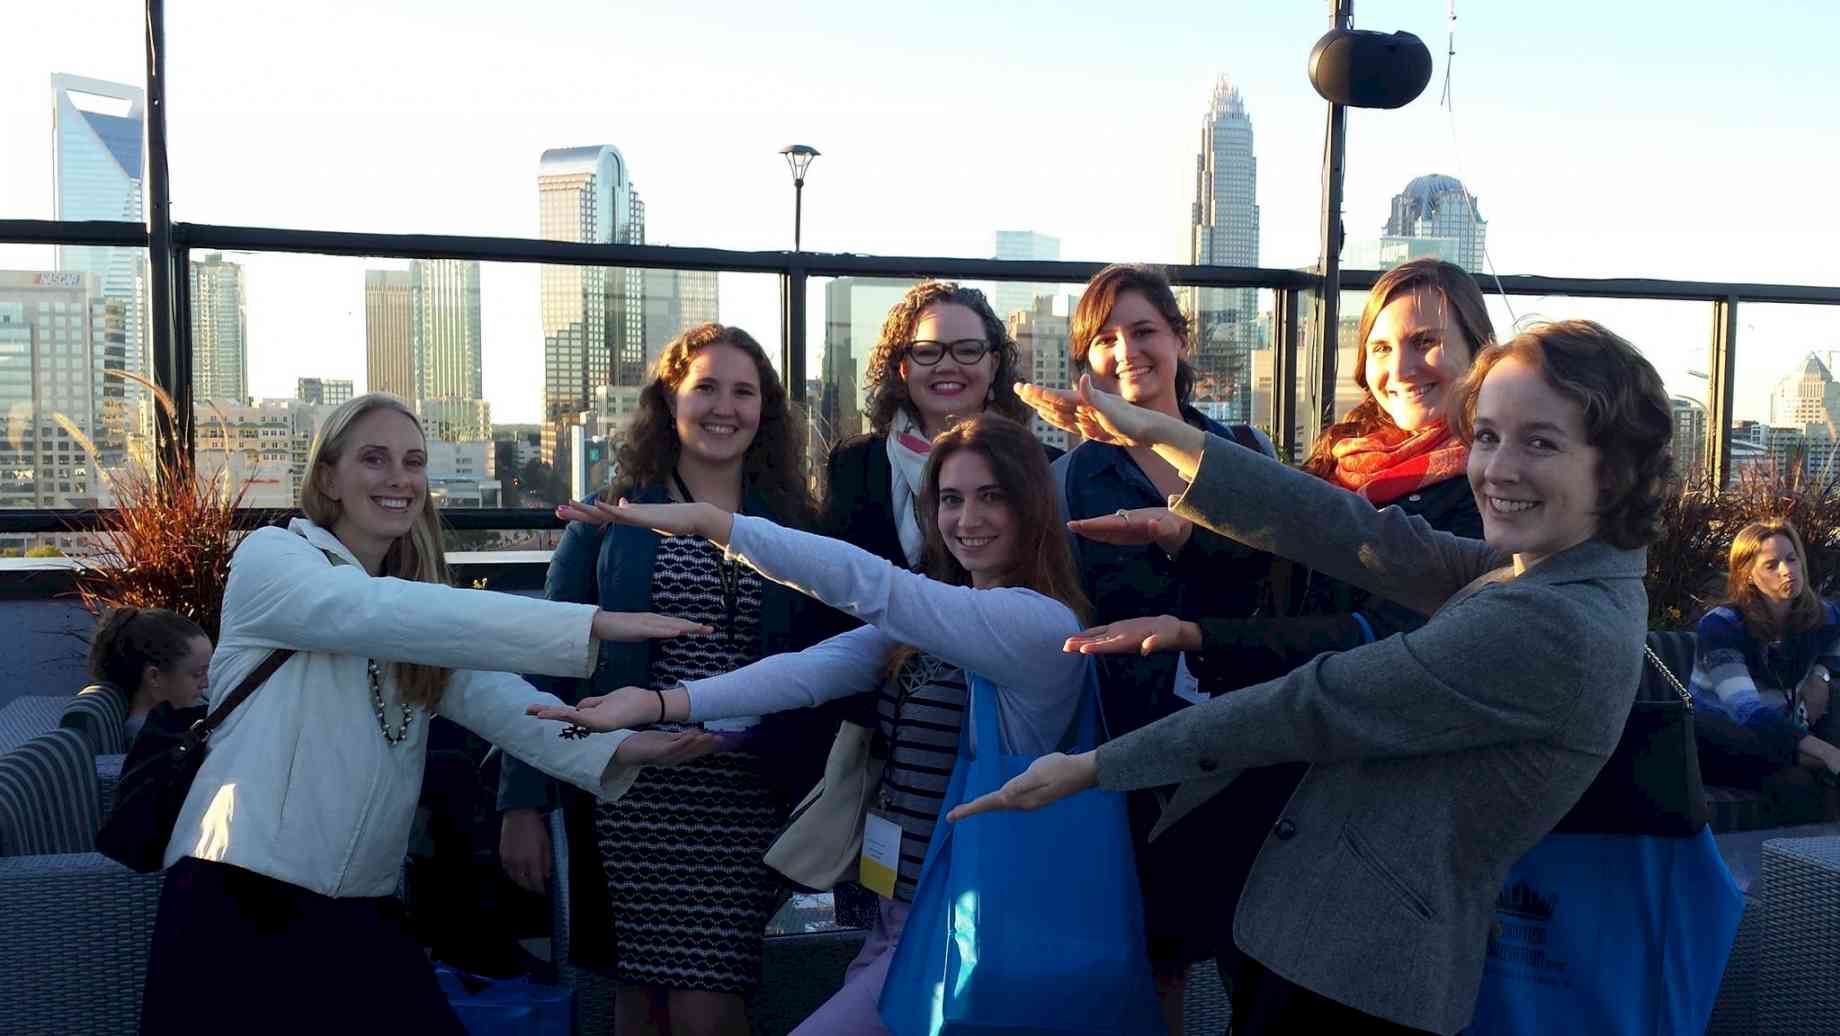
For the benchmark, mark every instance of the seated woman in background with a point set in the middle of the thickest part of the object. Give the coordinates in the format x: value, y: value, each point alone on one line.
x: 149, y: 656
x: 1763, y: 661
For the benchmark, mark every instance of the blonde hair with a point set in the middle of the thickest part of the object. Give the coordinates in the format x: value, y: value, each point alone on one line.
x: 1804, y: 612
x: 417, y: 556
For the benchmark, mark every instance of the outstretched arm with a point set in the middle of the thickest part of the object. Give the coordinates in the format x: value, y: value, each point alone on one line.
x: 1009, y: 635
x: 1264, y: 504
x: 282, y: 592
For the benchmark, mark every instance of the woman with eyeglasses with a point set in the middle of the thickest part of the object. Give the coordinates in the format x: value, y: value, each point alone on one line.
x: 943, y: 355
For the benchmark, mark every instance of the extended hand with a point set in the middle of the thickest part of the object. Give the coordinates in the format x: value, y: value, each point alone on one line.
x: 626, y: 626
x: 1096, y: 414
x: 1158, y: 525
x: 1136, y: 636
x: 662, y: 748
x: 523, y: 848
x: 1048, y: 779
x: 694, y: 519
x: 623, y: 709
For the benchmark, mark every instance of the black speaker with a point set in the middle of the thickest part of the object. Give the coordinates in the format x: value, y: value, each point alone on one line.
x: 1363, y: 69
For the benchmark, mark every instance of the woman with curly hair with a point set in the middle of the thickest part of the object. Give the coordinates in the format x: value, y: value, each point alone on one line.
x: 943, y: 355
x: 677, y: 862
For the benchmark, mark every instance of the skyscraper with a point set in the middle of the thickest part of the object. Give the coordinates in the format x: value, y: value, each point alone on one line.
x: 323, y: 391
x: 1224, y: 231
x: 1012, y: 297
x: 446, y: 332
x: 59, y: 336
x: 1437, y: 207
x: 423, y: 343
x: 96, y: 132
x: 854, y: 309
x: 675, y: 301
x: 1043, y: 357
x: 220, y: 346
x: 1809, y: 396
x: 593, y: 316
x: 389, y: 332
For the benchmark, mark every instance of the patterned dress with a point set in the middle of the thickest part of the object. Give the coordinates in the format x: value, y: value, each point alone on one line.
x: 682, y: 848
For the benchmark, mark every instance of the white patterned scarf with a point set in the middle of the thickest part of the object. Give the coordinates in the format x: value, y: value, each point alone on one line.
x: 907, y: 452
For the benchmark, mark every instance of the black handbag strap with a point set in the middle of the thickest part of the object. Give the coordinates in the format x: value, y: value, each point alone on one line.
x: 1673, y: 681
x: 243, y: 690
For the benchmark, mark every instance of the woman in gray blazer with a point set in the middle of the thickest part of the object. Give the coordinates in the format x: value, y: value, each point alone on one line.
x: 1438, y: 757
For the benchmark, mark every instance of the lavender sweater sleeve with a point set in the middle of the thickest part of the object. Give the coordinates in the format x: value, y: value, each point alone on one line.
x: 1009, y: 635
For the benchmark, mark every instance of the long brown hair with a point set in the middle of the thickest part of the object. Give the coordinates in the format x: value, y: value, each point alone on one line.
x: 885, y: 391
x: 1102, y: 293
x: 1740, y: 593
x: 1457, y: 289
x: 1043, y: 559
x: 774, y: 465
x: 417, y: 555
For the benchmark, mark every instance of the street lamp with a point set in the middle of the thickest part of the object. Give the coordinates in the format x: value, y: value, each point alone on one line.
x: 798, y: 159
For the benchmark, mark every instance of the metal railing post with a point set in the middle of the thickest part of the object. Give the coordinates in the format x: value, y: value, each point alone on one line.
x: 1284, y: 373
x: 171, y: 369
x: 1720, y: 389
x: 792, y: 330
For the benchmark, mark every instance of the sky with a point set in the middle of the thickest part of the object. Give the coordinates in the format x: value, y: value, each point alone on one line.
x: 1681, y: 140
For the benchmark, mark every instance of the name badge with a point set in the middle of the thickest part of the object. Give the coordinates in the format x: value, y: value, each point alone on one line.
x: 881, y: 854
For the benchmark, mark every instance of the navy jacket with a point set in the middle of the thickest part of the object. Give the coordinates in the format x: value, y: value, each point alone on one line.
x: 1213, y: 576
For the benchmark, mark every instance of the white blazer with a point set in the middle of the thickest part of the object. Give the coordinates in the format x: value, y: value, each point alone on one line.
x: 299, y: 783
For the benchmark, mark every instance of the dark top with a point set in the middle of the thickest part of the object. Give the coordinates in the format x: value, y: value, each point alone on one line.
x: 611, y: 566
x: 1213, y: 576
x: 1320, y: 613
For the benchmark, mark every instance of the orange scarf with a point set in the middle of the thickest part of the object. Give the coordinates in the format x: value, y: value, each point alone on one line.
x: 1391, y: 463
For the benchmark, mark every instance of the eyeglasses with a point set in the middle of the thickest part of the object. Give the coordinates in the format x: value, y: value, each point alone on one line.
x: 965, y: 350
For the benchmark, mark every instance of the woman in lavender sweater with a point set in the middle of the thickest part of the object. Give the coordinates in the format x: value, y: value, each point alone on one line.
x: 998, y: 598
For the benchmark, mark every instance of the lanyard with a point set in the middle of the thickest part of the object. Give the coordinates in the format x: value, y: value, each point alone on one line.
x: 728, y: 571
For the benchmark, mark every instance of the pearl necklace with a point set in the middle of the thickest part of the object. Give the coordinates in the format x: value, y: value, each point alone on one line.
x: 376, y: 676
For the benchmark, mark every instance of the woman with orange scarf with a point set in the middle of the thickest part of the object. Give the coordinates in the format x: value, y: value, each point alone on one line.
x: 1423, y: 324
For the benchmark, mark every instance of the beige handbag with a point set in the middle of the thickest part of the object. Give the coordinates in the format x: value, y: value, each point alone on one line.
x: 822, y: 840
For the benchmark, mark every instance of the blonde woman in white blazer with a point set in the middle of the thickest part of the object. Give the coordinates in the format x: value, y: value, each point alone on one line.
x: 277, y: 913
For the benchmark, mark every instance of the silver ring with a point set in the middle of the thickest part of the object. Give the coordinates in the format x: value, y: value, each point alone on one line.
x: 1122, y: 514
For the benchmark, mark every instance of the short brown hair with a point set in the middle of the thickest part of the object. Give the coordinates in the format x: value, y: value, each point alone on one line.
x: 884, y: 390
x: 1102, y: 293
x: 1459, y: 291
x: 1627, y: 417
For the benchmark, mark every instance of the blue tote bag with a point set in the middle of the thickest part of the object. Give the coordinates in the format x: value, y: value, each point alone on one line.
x: 507, y: 1007
x: 1024, y: 922
x: 1623, y: 935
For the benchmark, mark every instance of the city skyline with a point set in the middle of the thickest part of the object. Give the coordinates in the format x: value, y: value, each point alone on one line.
x: 708, y: 186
